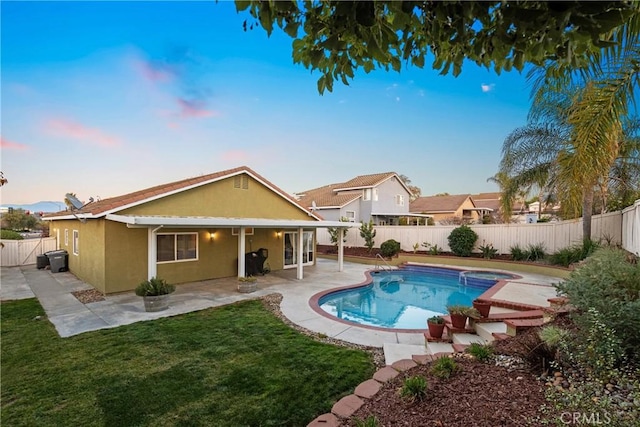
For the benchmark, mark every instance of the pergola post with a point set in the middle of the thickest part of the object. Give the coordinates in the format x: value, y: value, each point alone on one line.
x: 341, y: 249
x: 299, y: 273
x: 241, y: 250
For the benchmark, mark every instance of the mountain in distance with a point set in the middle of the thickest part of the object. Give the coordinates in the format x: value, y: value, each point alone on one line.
x: 42, y: 206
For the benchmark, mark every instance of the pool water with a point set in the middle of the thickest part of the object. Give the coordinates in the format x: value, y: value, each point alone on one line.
x: 405, y: 298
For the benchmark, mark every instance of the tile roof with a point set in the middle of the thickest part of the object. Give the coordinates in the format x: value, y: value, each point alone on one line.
x: 340, y: 194
x: 327, y: 197
x: 114, y: 204
x: 365, y: 181
x: 438, y: 203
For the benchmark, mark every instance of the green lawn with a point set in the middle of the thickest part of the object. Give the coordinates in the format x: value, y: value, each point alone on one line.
x: 236, y: 365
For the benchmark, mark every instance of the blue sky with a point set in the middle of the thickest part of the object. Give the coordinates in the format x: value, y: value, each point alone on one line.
x: 105, y: 98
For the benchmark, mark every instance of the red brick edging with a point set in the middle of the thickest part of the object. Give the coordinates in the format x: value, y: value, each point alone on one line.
x: 348, y: 405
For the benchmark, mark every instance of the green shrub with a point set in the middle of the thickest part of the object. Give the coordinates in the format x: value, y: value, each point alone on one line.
x: 414, y: 388
x: 154, y: 287
x: 609, y: 285
x: 479, y: 351
x: 573, y: 254
x: 368, y: 233
x: 370, y: 421
x: 444, y: 367
x: 517, y: 253
x: 10, y: 235
x: 535, y: 252
x: 462, y: 240
x: 390, y: 248
x: 432, y: 249
x: 488, y: 251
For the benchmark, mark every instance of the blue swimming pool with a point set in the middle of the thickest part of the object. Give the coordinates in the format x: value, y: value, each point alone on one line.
x: 404, y: 298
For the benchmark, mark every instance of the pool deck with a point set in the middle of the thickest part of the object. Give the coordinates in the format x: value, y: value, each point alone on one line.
x: 71, y: 317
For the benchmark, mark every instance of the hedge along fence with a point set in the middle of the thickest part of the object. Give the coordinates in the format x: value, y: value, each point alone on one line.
x: 554, y: 235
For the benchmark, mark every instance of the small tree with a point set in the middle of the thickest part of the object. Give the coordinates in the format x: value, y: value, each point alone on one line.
x: 336, y: 233
x: 368, y: 233
x: 461, y: 240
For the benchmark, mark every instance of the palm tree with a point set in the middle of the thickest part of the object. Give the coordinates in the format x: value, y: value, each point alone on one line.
x: 591, y: 120
x: 551, y: 154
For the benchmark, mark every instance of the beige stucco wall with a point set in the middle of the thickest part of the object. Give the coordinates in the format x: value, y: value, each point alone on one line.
x: 89, y: 264
x: 221, y: 199
x: 113, y: 257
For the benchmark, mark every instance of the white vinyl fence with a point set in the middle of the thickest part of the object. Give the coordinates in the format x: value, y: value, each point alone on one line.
x: 631, y: 228
x: 23, y: 252
x: 553, y: 235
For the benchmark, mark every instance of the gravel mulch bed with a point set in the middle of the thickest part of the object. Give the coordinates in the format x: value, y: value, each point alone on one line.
x: 88, y: 295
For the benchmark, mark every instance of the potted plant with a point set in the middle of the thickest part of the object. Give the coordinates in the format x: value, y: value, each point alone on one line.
x: 459, y: 315
x: 436, y: 326
x: 155, y: 293
x: 483, y: 307
x: 247, y: 284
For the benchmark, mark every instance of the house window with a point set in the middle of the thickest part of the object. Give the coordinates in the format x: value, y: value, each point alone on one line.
x: 351, y: 216
x: 248, y: 231
x: 291, y: 248
x: 177, y: 247
x: 375, y: 194
x: 366, y: 194
x: 75, y: 242
x: 399, y: 200
x: 66, y: 237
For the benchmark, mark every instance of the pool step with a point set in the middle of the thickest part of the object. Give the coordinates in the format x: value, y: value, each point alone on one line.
x: 515, y: 325
x: 394, y: 352
x: 487, y: 330
x: 439, y: 347
x: 466, y: 339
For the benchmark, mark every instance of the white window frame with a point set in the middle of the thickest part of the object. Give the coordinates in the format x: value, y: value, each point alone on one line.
x: 175, y: 248
x: 350, y: 215
x: 366, y: 194
x: 76, y: 242
x: 399, y: 200
x: 308, y: 251
x: 66, y: 237
x: 375, y: 194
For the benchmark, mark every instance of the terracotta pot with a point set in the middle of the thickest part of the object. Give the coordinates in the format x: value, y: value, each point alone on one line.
x: 482, y: 307
x: 458, y: 321
x: 435, y: 329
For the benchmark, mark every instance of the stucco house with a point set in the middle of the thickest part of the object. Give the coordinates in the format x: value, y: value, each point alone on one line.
x: 446, y: 208
x: 194, y: 229
x: 381, y: 197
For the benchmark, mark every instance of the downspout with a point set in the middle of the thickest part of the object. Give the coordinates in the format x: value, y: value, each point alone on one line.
x: 152, y: 252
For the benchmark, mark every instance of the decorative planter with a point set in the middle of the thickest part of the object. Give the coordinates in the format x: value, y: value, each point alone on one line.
x: 458, y: 321
x: 156, y: 303
x: 482, y: 307
x: 247, y: 287
x: 435, y: 329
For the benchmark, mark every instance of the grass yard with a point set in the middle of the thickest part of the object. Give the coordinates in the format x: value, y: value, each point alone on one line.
x: 236, y: 365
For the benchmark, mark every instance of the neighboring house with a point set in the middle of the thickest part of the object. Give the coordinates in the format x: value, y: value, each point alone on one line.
x: 447, y: 208
x: 195, y: 229
x: 381, y: 197
x: 493, y: 201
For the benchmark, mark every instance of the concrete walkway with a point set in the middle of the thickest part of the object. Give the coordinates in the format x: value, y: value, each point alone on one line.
x: 71, y: 317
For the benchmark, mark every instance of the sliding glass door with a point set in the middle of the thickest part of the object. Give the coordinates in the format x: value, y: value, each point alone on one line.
x: 291, y: 248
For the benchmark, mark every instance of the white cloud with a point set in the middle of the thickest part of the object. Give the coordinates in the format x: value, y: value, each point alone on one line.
x: 487, y: 87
